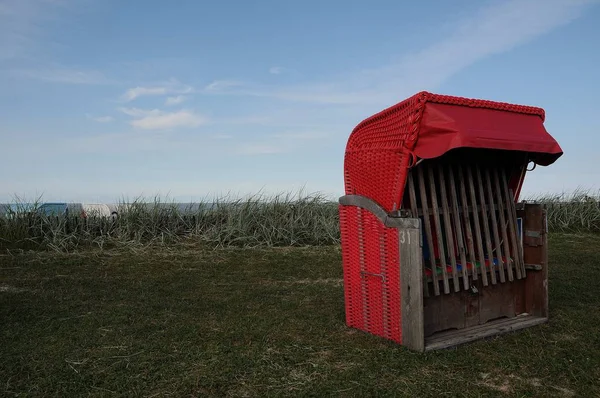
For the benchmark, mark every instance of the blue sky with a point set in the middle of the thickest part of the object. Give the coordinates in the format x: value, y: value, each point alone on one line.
x: 104, y: 99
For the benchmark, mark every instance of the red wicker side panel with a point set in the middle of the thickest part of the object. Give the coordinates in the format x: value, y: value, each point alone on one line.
x: 378, y: 175
x: 393, y: 128
x: 378, y: 153
x: 370, y: 256
x: 351, y: 263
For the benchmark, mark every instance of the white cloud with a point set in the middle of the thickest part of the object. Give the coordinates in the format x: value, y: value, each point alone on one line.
x: 175, y: 100
x: 491, y: 30
x: 136, y: 92
x: 169, y: 120
x: 170, y: 87
x: 101, y: 119
x: 219, y: 85
x: 59, y: 74
x: 156, y: 119
x: 137, y: 112
x: 276, y: 70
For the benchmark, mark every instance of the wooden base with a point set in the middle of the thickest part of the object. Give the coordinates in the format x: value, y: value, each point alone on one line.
x: 453, y: 338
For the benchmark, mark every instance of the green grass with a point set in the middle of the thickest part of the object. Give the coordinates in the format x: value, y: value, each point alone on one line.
x: 186, y: 321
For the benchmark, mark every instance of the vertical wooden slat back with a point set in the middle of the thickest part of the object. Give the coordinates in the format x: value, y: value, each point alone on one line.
x: 477, y: 207
x: 414, y: 207
x: 494, y: 226
x: 512, y: 226
x: 428, y: 232
x: 438, y: 228
x: 448, y: 226
x: 510, y: 260
x: 458, y: 228
x: 469, y: 224
x: 518, y: 244
x: 486, y: 228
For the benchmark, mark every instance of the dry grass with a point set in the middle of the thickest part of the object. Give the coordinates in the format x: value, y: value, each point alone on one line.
x: 578, y: 211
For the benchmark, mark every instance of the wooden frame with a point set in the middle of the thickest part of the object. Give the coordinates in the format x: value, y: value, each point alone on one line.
x: 437, y: 321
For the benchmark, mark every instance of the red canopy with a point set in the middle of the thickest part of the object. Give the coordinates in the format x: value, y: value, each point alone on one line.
x: 445, y: 127
x: 382, y: 148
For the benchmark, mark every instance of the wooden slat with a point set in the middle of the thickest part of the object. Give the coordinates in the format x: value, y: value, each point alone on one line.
x: 412, y: 195
x: 503, y: 226
x: 428, y: 233
x: 461, y: 210
x: 520, y: 241
x: 448, y: 227
x: 497, y: 243
x: 535, y: 252
x: 414, y: 209
x: 511, y: 212
x: 467, y: 221
x: 477, y: 225
x: 514, y: 239
x: 486, y: 228
x: 438, y: 228
x: 516, y: 242
x: 458, y: 229
x: 413, y: 331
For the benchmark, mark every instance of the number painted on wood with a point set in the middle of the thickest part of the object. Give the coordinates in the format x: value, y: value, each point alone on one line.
x: 405, y: 237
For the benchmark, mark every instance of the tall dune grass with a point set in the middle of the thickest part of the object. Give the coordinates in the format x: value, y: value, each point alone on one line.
x: 578, y: 211
x: 256, y: 221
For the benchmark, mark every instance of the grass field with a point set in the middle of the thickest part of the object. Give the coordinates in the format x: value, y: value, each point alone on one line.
x: 186, y: 321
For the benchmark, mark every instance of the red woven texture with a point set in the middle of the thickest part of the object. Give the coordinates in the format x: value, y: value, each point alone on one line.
x: 371, y: 273
x: 379, y: 148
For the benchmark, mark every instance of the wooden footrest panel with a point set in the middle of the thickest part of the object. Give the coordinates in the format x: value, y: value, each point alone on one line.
x: 453, y: 338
